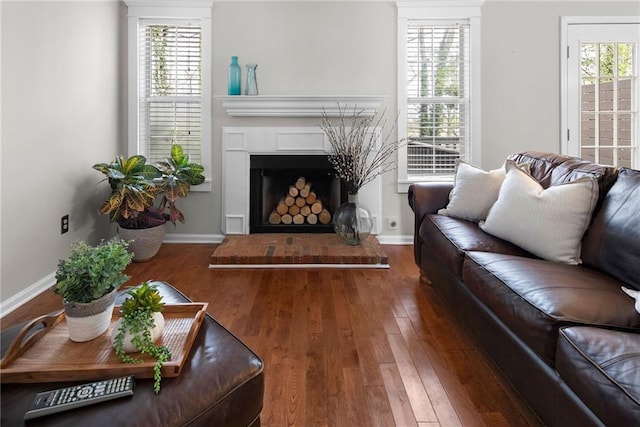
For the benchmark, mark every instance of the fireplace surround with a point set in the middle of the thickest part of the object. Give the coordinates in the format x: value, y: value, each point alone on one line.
x: 240, y: 143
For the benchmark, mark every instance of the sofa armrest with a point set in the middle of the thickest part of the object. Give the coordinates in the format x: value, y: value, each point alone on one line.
x: 426, y: 198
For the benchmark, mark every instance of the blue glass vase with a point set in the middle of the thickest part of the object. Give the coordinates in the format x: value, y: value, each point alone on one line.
x: 234, y: 77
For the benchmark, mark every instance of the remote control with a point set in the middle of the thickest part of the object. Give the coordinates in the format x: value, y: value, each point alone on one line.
x: 63, y: 399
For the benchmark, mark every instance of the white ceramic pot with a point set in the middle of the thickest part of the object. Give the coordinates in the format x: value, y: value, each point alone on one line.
x: 156, y: 332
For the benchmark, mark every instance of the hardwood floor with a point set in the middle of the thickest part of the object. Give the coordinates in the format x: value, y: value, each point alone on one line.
x: 341, y: 347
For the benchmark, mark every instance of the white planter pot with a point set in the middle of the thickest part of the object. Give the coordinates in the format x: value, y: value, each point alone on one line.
x: 156, y: 332
x: 145, y: 243
x: 87, y: 321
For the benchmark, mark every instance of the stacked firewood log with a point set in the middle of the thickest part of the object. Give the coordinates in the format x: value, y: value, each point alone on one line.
x: 300, y: 205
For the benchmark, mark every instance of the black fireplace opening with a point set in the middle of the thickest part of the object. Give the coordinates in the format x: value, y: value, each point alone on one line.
x: 293, y: 194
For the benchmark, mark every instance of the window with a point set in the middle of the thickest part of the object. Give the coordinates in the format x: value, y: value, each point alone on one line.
x: 438, y: 50
x: 169, y: 82
x: 170, y: 89
x: 437, y: 101
x: 600, y: 90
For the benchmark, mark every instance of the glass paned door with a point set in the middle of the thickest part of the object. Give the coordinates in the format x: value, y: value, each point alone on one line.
x: 603, y: 93
x: 606, y: 91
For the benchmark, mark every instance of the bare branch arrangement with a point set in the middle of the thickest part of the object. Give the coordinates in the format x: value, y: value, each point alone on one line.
x: 356, y: 156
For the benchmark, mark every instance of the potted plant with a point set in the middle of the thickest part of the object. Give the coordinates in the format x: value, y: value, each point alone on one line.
x: 87, y: 281
x: 135, y: 186
x: 178, y: 174
x: 140, y: 326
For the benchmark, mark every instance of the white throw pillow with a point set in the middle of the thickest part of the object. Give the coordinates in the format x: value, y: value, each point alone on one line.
x: 548, y: 222
x: 474, y: 192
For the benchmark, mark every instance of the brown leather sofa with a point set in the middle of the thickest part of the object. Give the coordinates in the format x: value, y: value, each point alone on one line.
x: 565, y: 336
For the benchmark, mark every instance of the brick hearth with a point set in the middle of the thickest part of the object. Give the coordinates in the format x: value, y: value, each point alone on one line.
x: 291, y: 250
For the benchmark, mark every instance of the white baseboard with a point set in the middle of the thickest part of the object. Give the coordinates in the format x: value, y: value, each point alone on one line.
x: 27, y: 294
x: 395, y: 240
x: 193, y: 238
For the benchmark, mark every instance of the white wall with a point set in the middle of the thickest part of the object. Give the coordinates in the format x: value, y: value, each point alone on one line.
x: 60, y: 115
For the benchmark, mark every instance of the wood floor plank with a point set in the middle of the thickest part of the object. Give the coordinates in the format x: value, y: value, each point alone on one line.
x: 347, y: 346
x: 355, y: 408
x: 416, y: 392
x: 397, y: 394
x: 379, y: 407
x: 335, y: 387
x: 315, y: 310
x: 316, y: 397
x: 460, y: 400
x: 370, y: 291
x: 340, y: 347
x: 299, y: 345
x: 438, y: 397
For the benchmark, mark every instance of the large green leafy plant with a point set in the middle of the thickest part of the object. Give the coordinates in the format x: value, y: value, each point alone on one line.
x: 135, y: 185
x: 91, y: 272
x: 178, y: 175
x: 137, y: 319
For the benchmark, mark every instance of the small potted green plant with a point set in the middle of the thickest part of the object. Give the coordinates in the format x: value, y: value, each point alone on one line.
x: 87, y: 281
x: 139, y: 326
x: 136, y: 185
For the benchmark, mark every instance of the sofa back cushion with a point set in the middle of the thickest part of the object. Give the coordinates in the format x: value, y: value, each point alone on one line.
x: 612, y: 242
x: 552, y: 169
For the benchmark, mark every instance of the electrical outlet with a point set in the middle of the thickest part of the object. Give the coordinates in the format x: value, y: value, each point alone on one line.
x: 392, y: 223
x: 64, y: 224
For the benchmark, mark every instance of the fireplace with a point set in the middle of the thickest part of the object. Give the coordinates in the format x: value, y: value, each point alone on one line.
x: 293, y: 194
x: 243, y: 146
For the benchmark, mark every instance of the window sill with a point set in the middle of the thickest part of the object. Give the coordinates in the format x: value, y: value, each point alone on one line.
x: 205, y: 187
x: 403, y: 185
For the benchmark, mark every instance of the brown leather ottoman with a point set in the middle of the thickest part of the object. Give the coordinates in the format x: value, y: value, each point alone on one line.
x: 221, y: 384
x: 602, y: 367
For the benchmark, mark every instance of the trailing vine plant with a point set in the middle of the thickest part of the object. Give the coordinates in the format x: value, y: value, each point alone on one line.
x: 137, y: 319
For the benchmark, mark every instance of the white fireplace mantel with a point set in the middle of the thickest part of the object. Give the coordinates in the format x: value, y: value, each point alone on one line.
x: 300, y: 105
x: 239, y: 143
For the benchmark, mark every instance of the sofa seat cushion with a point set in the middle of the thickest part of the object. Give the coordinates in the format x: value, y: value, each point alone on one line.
x: 449, y: 239
x: 534, y: 297
x: 603, y: 368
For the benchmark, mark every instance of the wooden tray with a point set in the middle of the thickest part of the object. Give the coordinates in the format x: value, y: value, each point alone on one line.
x: 49, y: 355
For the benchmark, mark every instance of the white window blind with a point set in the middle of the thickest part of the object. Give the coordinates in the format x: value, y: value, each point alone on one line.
x: 437, y: 88
x: 170, y: 88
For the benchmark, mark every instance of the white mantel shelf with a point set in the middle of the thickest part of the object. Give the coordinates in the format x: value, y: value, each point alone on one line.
x: 299, y: 105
